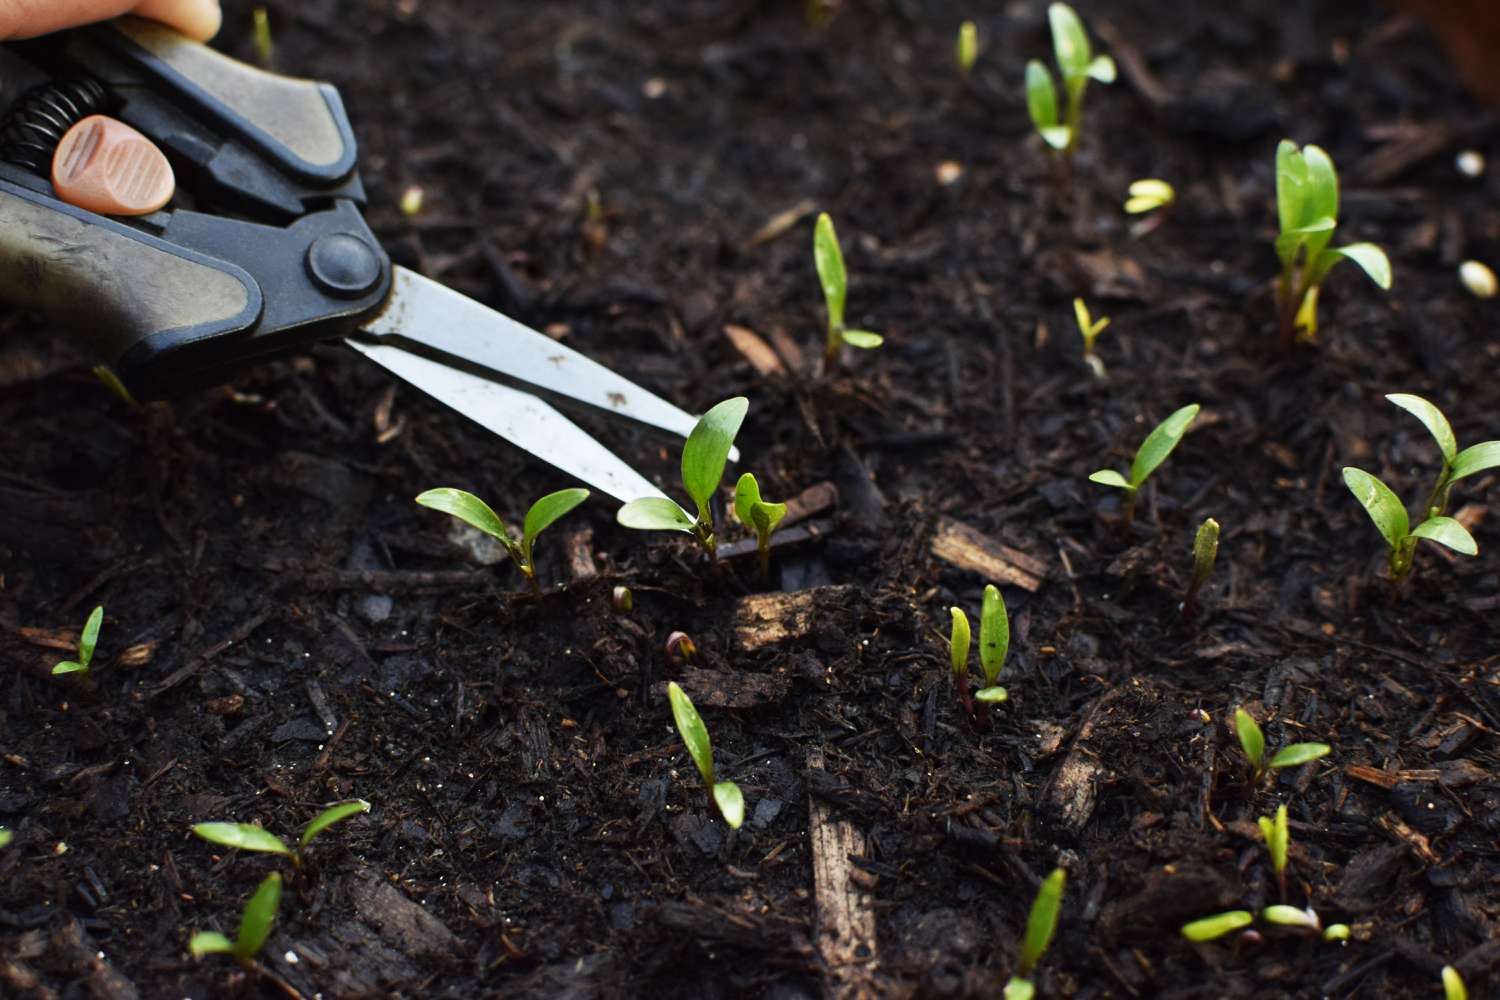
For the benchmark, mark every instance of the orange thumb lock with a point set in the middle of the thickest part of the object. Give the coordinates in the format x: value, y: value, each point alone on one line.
x: 105, y: 166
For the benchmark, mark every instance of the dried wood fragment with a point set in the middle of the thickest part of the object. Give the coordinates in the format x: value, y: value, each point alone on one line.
x: 811, y: 531
x: 1071, y: 793
x: 782, y: 221
x: 964, y: 547
x: 731, y: 688
x: 580, y: 548
x: 1394, y: 826
x: 788, y: 348
x: 413, y: 929
x: 814, y: 500
x: 762, y: 620
x: 844, y: 919
x: 754, y: 350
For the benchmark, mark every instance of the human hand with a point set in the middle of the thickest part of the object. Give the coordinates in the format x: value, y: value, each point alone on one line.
x: 29, y: 18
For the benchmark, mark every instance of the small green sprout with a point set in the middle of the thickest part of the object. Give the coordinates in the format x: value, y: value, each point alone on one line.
x: 968, y: 48
x: 1278, y: 841
x: 1336, y: 932
x: 475, y: 512
x: 1041, y: 923
x: 755, y: 513
x: 1216, y: 926
x: 106, y: 375
x: 1389, y: 515
x: 87, y: 640
x: 994, y: 643
x: 255, y: 927
x: 1205, y: 553
x: 1307, y: 207
x: 1456, y: 464
x: 726, y: 794
x: 1090, y: 328
x: 1283, y: 915
x: 1077, y: 64
x: 1148, y: 195
x: 829, y: 260
x: 261, y: 23
x: 248, y: 837
x: 1152, y: 452
x: 623, y: 599
x: 1253, y: 742
x: 6, y: 837
x: 958, y: 653
x: 1453, y: 985
x: 703, y: 457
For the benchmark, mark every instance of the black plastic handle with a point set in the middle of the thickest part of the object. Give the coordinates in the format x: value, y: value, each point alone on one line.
x: 275, y: 255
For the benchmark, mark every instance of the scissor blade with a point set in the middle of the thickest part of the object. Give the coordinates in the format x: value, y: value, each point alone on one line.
x: 426, y: 313
x: 521, y: 418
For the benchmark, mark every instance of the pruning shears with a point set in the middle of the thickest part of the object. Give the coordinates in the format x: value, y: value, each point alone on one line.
x: 262, y: 247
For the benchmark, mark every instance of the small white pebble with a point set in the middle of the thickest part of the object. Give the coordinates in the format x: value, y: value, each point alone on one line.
x: 1478, y: 279
x: 291, y: 958
x: 1470, y: 163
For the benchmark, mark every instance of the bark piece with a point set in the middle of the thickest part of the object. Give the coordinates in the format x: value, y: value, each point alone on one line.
x: 731, y: 688
x: 762, y: 620
x: 386, y: 908
x: 845, y: 922
x: 962, y: 546
x: 754, y: 350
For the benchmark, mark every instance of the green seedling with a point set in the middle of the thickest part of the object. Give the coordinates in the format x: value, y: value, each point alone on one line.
x: 87, y: 640
x: 1278, y: 838
x: 475, y: 512
x: 1041, y: 923
x: 248, y: 837
x: 1078, y: 65
x: 1307, y: 208
x: 1152, y: 452
x: 1214, y: 927
x: 829, y: 260
x: 1456, y: 464
x: 1453, y: 985
x: 106, y: 375
x: 968, y: 48
x: 261, y: 23
x: 725, y: 794
x: 994, y: 643
x: 958, y: 653
x: 755, y: 513
x: 1253, y: 742
x: 1148, y: 195
x: 1389, y: 515
x: 1205, y: 553
x: 1090, y: 329
x: 703, y: 457
x: 6, y: 837
x: 255, y: 927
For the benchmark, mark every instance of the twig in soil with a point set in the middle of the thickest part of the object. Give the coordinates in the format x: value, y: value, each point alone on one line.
x: 844, y: 918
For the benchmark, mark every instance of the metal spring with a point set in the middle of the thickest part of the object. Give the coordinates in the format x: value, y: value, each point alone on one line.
x: 42, y: 116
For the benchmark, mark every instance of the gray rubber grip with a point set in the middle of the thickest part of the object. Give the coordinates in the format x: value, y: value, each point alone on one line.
x: 299, y: 122
x: 121, y: 289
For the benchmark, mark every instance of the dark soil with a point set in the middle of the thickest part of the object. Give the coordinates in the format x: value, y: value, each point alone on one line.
x: 285, y: 628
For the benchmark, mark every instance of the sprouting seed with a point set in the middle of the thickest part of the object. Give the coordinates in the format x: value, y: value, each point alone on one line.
x: 1216, y: 926
x: 1152, y: 452
x: 475, y: 512
x: 87, y: 640
x: 255, y: 927
x: 704, y: 455
x: 248, y: 837
x: 1307, y: 206
x: 1078, y: 65
x: 1253, y: 743
x: 968, y: 47
x: 828, y: 259
x: 1478, y: 279
x: 1041, y: 924
x: 1205, y: 553
x: 1148, y: 195
x: 726, y: 795
x: 759, y: 515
